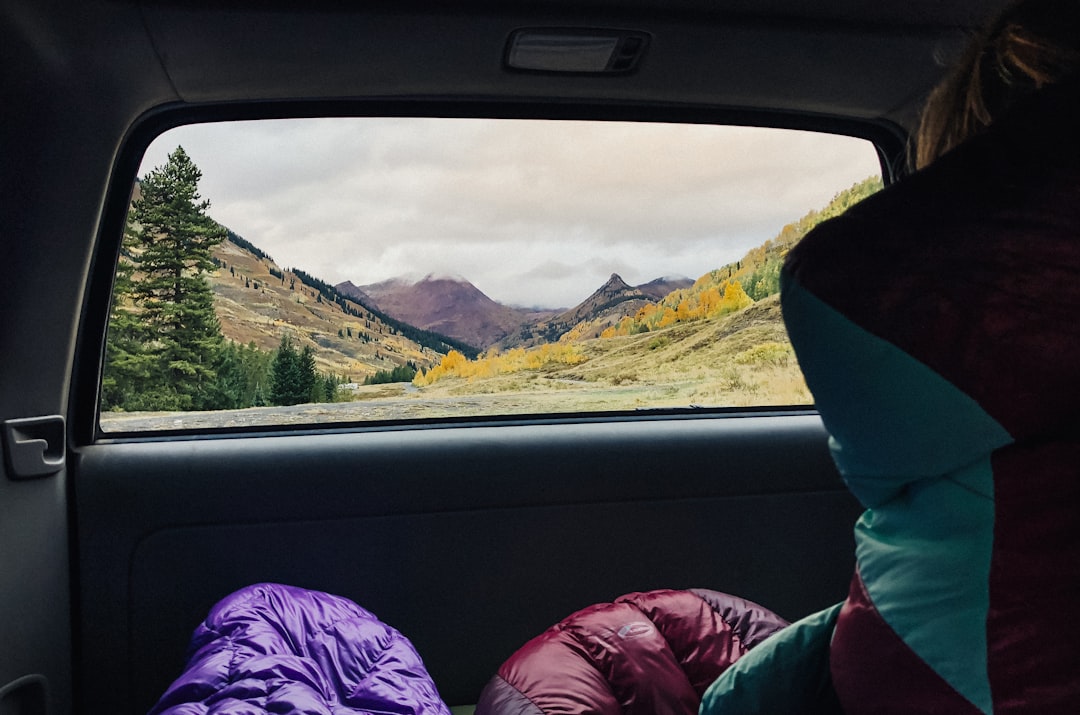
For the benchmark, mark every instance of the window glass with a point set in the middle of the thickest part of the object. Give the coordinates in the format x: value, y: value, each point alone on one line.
x: 384, y: 269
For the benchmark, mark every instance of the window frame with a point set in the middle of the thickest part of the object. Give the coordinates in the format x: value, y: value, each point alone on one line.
x: 888, y: 139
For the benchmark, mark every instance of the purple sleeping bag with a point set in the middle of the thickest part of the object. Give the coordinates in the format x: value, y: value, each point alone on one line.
x: 270, y: 648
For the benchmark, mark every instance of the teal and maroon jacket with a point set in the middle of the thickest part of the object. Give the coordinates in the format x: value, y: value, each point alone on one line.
x: 938, y: 326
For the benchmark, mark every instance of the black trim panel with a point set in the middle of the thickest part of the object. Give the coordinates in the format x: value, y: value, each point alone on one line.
x: 470, y: 540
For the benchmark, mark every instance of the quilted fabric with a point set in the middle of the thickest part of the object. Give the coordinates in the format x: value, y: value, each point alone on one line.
x: 649, y: 653
x: 789, y: 673
x: 270, y: 648
x: 936, y: 324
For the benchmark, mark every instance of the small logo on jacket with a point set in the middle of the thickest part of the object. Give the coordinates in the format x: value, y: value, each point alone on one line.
x: 637, y: 629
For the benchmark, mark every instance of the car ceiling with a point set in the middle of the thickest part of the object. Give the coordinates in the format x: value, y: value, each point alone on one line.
x: 841, y: 58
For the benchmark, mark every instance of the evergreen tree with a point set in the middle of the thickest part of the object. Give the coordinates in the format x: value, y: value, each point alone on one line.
x: 294, y: 379
x: 227, y: 392
x: 330, y: 387
x: 256, y: 364
x: 310, y: 385
x: 166, y: 361
x: 127, y: 366
x: 286, y: 383
x: 400, y: 373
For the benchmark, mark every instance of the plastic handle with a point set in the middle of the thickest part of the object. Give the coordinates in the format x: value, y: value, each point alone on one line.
x: 35, y: 446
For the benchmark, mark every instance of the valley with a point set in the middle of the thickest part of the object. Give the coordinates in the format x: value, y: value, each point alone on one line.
x: 741, y: 361
x: 718, y: 341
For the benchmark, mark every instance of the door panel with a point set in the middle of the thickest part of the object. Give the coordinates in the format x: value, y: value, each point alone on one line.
x: 469, y: 539
x: 34, y: 598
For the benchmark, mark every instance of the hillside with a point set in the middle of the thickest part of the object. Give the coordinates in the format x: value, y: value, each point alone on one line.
x: 354, y: 335
x: 455, y: 307
x: 743, y: 358
x: 449, y: 306
x: 257, y: 301
x: 660, y: 287
x: 615, y: 292
x: 706, y: 344
x: 710, y: 343
x: 619, y: 309
x: 754, y: 277
x: 759, y: 270
x: 610, y: 302
x: 739, y: 359
x: 754, y: 336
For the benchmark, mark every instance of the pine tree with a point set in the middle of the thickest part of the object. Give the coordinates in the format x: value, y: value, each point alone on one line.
x: 127, y: 365
x: 164, y: 336
x: 330, y: 387
x: 286, y: 385
x: 311, y: 387
x: 257, y: 370
x: 175, y: 238
x: 228, y: 391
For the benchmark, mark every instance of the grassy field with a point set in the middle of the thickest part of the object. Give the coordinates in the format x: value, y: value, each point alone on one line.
x: 739, y: 360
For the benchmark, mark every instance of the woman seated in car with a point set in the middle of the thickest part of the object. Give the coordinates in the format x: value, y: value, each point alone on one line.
x: 937, y: 326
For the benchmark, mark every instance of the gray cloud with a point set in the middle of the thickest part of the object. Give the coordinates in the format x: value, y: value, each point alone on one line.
x: 532, y: 212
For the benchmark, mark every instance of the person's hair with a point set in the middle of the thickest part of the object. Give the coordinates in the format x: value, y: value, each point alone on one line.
x: 1032, y: 43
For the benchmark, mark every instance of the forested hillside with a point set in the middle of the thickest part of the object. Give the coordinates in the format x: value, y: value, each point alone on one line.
x: 256, y: 300
x: 703, y: 337
x: 203, y: 319
x: 738, y: 285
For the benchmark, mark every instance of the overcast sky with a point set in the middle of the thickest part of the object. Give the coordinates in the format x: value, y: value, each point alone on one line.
x: 531, y: 212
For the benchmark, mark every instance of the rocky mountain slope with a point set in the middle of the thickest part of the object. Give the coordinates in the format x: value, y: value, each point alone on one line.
x: 258, y: 301
x: 450, y: 306
x: 456, y: 308
x: 660, y: 287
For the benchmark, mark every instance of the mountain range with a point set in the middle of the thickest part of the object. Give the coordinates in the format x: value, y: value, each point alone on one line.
x: 357, y: 331
x: 450, y: 306
x: 257, y: 301
x: 456, y: 308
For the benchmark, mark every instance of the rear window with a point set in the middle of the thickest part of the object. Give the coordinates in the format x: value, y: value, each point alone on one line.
x: 387, y: 269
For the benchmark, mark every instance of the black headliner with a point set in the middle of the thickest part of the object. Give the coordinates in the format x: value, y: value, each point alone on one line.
x: 836, y: 58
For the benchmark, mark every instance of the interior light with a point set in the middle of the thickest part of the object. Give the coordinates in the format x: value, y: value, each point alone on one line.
x: 575, y: 51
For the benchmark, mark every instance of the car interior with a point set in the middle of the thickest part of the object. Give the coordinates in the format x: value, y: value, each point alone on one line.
x: 469, y: 536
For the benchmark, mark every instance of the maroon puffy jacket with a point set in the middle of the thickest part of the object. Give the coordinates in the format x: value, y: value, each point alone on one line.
x: 649, y: 653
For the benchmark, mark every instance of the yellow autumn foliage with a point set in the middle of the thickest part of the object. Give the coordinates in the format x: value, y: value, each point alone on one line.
x: 493, y: 363
x: 696, y: 303
x: 575, y: 333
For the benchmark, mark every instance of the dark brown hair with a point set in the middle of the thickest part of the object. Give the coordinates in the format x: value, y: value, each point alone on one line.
x: 1033, y: 43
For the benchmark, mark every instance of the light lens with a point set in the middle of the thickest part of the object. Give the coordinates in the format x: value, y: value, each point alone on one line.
x: 550, y: 52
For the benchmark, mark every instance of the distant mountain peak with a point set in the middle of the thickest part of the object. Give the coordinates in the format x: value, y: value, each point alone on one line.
x: 613, y: 292
x: 616, y: 282
x: 353, y: 291
x: 447, y: 277
x: 448, y: 304
x: 673, y: 278
x: 658, y: 288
